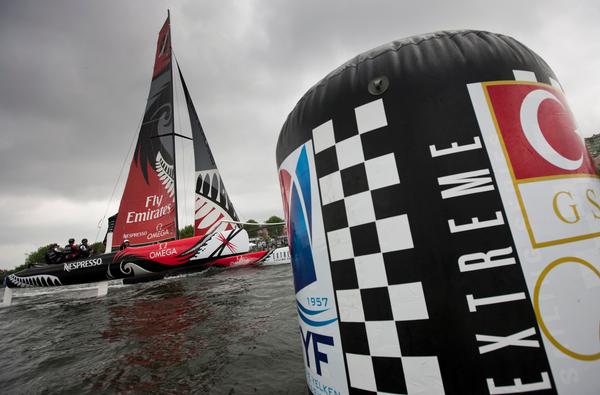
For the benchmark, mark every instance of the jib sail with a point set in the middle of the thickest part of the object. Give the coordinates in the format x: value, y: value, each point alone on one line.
x: 212, y: 201
x: 147, y: 212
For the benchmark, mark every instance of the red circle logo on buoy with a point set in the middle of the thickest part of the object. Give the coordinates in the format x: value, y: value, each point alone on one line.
x: 538, y: 130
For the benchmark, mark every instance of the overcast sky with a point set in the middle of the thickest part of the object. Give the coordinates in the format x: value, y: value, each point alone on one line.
x: 74, y: 78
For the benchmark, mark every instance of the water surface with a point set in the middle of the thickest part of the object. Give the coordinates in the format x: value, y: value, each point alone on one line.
x: 229, y: 331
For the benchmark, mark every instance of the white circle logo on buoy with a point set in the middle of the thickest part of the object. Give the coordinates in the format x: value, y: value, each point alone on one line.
x: 533, y: 132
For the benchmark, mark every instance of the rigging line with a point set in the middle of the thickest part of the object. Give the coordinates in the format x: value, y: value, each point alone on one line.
x: 254, y: 223
x: 185, y: 191
x: 259, y: 225
x: 240, y: 216
x: 177, y: 103
x: 133, y: 135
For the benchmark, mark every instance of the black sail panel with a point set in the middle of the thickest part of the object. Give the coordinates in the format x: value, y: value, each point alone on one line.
x: 212, y: 201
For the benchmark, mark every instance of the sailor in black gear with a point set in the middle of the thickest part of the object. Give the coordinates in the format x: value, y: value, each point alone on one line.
x: 54, y: 254
x: 84, y: 249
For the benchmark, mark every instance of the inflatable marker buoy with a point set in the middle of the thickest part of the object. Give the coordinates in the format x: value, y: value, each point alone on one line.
x: 443, y: 217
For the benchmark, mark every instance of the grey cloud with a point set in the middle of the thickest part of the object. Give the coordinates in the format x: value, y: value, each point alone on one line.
x: 74, y: 77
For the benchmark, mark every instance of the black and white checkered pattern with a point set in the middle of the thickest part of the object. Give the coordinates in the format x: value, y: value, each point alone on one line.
x: 368, y: 237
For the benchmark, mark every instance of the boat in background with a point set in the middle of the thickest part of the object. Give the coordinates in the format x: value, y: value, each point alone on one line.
x: 278, y: 256
x: 148, y: 210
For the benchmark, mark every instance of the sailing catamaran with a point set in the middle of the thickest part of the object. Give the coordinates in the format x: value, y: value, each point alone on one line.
x: 147, y: 215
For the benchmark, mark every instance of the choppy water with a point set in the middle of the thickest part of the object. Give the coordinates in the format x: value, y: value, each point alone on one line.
x: 220, y: 332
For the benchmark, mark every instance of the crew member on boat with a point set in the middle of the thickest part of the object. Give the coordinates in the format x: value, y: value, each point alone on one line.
x: 124, y: 245
x: 54, y: 254
x: 85, y: 250
x: 71, y: 250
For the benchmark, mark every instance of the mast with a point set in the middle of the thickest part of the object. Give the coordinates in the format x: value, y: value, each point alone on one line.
x: 173, y: 137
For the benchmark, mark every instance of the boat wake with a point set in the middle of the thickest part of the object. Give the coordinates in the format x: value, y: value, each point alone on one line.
x: 275, y: 263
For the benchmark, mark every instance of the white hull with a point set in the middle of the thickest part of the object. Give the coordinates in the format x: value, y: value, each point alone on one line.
x: 279, y: 256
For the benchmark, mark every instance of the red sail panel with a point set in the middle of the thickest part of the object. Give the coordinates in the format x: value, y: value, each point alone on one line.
x: 147, y: 211
x: 163, y: 49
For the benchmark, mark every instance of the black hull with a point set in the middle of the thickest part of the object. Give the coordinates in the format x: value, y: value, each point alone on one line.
x: 136, y: 264
x: 99, y: 268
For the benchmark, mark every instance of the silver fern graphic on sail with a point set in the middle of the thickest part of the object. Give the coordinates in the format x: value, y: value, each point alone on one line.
x: 165, y: 172
x: 40, y: 280
x: 210, y: 185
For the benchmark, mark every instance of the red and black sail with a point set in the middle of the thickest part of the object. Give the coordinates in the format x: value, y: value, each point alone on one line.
x: 147, y: 212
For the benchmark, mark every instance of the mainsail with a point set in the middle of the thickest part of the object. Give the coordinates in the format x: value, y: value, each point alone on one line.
x: 212, y: 201
x: 147, y: 212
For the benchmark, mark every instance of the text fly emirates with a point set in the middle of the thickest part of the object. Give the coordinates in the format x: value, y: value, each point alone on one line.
x: 154, y: 210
